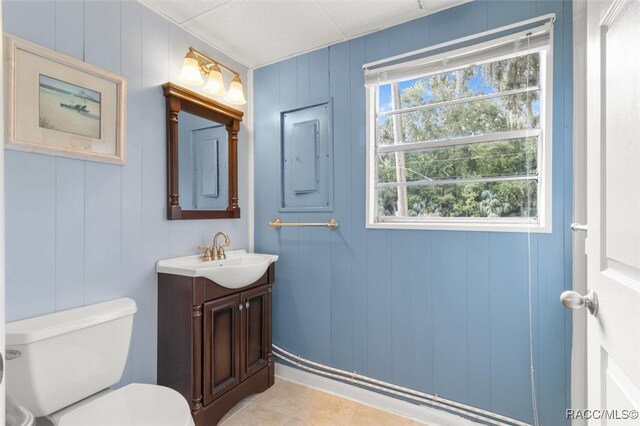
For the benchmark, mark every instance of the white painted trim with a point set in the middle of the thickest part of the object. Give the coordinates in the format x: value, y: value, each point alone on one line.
x: 182, y: 26
x: 545, y: 148
x: 460, y: 226
x: 459, y: 101
x: 549, y: 17
x: 420, y: 413
x: 390, y: 389
x: 313, y: 49
x: 545, y: 157
x: 462, y: 140
x: 579, y: 266
x: 371, y: 171
x: 251, y: 199
x: 481, y: 53
x: 2, y: 254
x: 359, y: 35
x: 461, y: 181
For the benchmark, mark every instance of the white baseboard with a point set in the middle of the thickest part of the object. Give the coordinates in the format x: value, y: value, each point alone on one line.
x: 420, y: 413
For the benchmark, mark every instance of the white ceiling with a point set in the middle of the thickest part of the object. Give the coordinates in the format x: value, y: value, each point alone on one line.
x: 258, y: 32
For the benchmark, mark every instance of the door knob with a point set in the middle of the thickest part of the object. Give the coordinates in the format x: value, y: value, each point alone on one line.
x: 578, y: 227
x: 573, y: 300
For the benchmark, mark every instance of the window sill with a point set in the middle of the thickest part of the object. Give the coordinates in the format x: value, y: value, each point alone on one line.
x: 462, y: 226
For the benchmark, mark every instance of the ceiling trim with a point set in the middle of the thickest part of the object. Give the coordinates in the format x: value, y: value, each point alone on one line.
x: 404, y: 21
x: 206, y: 11
x: 208, y: 43
x: 344, y: 35
x: 322, y: 46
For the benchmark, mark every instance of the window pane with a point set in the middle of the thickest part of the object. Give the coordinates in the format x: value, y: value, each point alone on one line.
x: 474, y: 80
x: 482, y: 200
x: 438, y: 177
x: 514, y: 157
x: 384, y: 98
x: 505, y: 113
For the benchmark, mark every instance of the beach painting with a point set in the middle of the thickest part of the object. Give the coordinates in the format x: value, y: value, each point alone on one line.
x: 59, y: 105
x: 69, y: 108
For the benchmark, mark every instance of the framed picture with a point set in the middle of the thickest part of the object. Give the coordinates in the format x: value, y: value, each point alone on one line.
x: 58, y: 105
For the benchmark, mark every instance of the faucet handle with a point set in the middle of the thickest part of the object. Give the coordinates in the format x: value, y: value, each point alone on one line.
x: 207, y: 253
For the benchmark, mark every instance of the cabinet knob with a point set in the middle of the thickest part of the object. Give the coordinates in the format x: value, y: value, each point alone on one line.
x: 246, y: 305
x: 240, y: 307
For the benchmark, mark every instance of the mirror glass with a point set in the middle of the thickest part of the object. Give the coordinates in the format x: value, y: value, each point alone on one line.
x: 203, y: 160
x: 202, y: 156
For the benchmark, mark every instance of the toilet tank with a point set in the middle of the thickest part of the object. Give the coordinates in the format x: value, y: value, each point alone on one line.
x: 69, y: 355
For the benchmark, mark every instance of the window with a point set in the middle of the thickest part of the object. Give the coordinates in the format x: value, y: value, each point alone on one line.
x: 462, y: 139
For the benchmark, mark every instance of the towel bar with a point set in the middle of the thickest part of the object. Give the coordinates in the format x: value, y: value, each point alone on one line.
x: 277, y: 224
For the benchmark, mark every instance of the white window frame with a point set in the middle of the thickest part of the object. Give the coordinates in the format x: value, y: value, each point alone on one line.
x: 543, y: 223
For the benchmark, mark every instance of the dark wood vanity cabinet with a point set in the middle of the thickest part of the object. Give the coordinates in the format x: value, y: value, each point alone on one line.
x: 221, y: 367
x: 214, y: 343
x: 255, y: 331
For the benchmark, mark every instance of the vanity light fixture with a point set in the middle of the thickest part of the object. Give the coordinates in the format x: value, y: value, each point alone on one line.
x: 197, y: 64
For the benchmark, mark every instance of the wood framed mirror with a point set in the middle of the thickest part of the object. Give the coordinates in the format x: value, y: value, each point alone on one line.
x: 202, y: 156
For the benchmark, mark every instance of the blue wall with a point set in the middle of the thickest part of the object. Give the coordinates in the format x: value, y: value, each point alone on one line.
x: 80, y: 232
x: 441, y: 312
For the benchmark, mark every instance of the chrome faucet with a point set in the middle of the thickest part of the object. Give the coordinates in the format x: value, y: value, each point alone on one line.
x: 217, y: 253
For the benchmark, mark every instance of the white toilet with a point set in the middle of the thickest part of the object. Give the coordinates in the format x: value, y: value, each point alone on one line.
x: 64, y: 363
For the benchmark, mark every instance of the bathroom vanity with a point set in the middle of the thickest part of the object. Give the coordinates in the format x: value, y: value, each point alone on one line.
x: 214, y: 342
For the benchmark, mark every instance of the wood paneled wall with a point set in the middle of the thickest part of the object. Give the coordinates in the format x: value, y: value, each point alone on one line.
x: 441, y: 312
x: 81, y: 232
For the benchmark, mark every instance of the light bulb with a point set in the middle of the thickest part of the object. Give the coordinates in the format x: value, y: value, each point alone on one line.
x: 190, y: 73
x: 215, y: 84
x: 236, y: 94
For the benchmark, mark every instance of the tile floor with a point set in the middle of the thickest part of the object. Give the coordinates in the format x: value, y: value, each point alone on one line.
x: 291, y: 404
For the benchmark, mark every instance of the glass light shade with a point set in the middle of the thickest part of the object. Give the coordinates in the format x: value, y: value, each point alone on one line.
x: 215, y: 84
x: 236, y: 94
x: 190, y: 73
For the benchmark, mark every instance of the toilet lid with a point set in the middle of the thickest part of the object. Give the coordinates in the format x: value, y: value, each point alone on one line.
x: 133, y: 405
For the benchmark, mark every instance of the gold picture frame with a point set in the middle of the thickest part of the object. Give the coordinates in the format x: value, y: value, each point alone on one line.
x: 58, y: 105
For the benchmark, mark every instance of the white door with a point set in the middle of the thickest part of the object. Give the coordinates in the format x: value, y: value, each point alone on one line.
x: 2, y: 398
x: 613, y: 210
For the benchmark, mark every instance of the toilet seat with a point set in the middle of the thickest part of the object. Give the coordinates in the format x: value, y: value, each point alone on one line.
x: 133, y: 405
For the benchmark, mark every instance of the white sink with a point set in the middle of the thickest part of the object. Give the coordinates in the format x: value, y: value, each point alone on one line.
x: 238, y: 270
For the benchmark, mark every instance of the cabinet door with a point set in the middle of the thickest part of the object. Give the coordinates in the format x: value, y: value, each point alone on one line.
x: 256, y: 326
x: 221, y: 346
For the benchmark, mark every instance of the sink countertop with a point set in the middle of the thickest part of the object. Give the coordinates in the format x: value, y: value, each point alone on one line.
x: 238, y: 270
x: 187, y: 263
